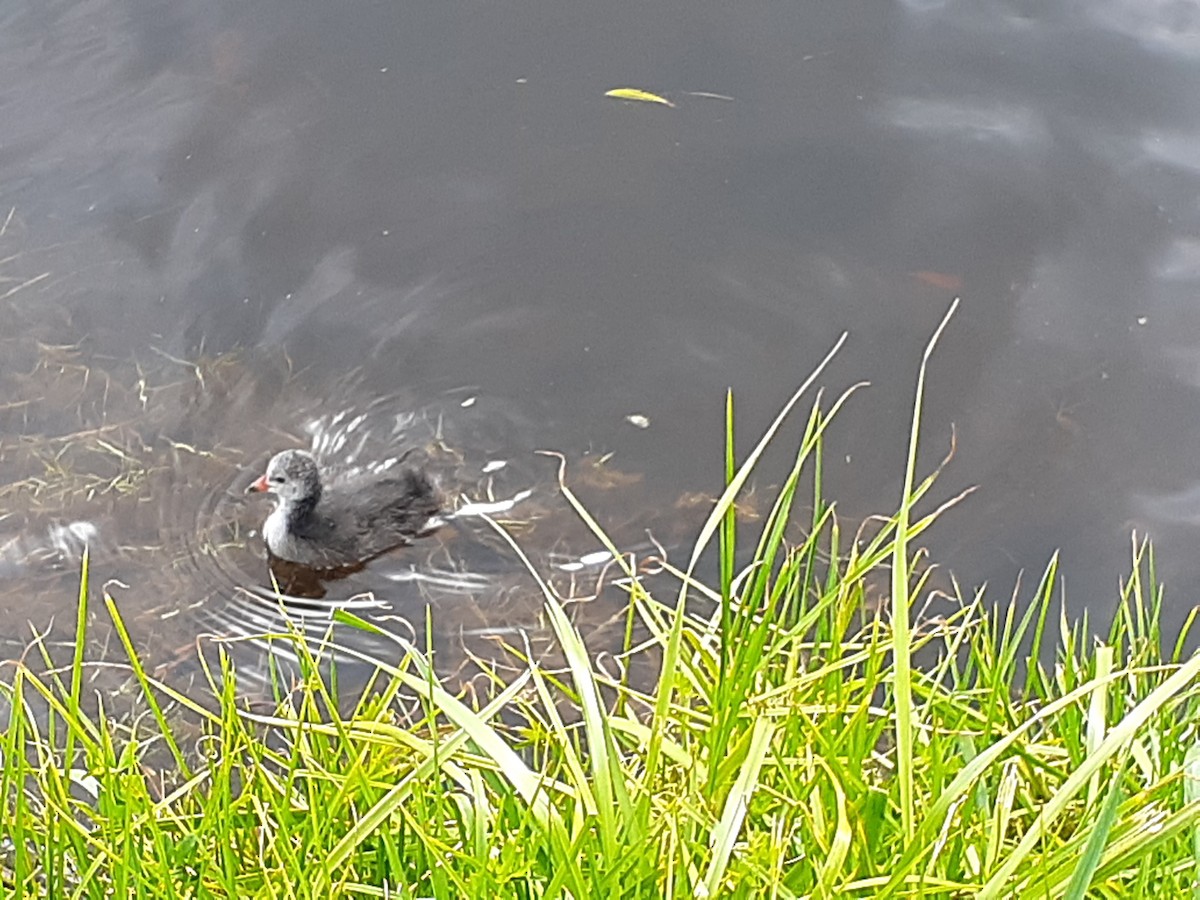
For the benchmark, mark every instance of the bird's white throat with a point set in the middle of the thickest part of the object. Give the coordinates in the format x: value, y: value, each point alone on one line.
x: 275, y: 528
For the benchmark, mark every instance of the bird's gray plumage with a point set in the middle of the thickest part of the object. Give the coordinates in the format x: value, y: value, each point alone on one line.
x: 345, y: 522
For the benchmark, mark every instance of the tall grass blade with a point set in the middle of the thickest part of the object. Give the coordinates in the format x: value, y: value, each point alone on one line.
x: 144, y: 683
x: 901, y: 636
x: 77, y: 661
x: 725, y: 835
x: 1093, y: 851
x: 728, y: 547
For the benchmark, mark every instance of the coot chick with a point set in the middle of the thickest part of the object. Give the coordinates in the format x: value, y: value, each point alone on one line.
x: 347, y: 522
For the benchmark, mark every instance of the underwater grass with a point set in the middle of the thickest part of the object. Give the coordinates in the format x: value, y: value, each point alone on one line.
x: 799, y: 741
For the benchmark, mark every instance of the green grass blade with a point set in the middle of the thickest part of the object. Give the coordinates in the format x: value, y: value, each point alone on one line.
x: 1081, y: 878
x: 736, y: 805
x: 901, y: 636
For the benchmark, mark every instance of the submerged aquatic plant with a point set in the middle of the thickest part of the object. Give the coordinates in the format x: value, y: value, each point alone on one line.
x: 798, y: 741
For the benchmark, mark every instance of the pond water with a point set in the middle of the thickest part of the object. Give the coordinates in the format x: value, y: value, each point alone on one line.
x: 372, y: 226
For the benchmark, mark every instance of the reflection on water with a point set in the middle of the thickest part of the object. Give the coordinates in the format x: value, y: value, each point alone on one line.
x: 224, y: 227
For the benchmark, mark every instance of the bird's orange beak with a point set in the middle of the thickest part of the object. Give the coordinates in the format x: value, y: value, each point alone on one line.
x: 259, y: 486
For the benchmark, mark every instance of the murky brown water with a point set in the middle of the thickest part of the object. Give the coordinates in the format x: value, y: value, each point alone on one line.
x: 231, y: 229
x: 132, y: 455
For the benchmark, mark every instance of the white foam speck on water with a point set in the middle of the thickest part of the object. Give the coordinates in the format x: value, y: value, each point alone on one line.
x: 64, y: 542
x: 587, y: 561
x: 494, y: 465
x: 487, y: 509
x: 70, y: 539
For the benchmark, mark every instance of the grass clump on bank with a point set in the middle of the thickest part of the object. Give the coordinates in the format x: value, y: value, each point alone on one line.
x: 799, y: 741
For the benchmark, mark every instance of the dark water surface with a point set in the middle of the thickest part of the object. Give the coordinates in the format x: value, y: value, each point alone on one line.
x: 364, y: 227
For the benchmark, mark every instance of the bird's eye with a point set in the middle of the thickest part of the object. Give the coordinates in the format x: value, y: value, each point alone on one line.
x: 276, y: 479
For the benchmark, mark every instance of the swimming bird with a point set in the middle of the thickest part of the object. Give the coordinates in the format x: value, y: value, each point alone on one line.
x: 348, y: 521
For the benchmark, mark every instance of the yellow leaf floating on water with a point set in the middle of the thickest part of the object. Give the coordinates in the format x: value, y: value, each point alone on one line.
x: 637, y: 94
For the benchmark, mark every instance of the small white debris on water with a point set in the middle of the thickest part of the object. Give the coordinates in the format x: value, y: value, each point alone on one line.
x: 70, y: 539
x: 637, y: 420
x: 468, y: 403
x: 63, y: 542
x: 586, y: 561
x: 84, y: 531
x: 487, y: 509
x: 494, y: 465
x: 1142, y: 320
